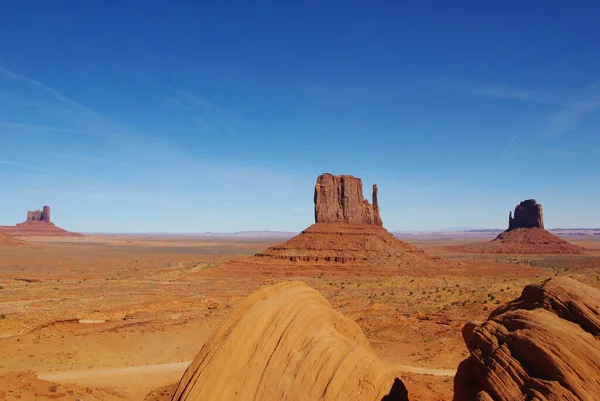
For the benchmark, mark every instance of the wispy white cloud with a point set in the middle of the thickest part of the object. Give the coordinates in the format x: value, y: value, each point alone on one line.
x: 52, y: 91
x: 25, y: 166
x: 571, y: 106
x: 39, y: 127
x: 209, y: 118
x: 569, y: 117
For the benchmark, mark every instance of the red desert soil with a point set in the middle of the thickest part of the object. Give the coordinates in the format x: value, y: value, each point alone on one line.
x: 523, y: 241
x: 101, y: 303
x: 26, y: 386
x: 7, y: 240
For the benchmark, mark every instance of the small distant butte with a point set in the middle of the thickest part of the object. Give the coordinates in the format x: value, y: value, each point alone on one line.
x: 38, y: 223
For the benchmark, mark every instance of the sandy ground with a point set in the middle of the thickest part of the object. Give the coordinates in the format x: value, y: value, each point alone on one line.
x: 126, y: 314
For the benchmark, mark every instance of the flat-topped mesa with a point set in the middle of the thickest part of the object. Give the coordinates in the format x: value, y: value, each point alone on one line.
x: 39, y: 215
x: 528, y: 214
x: 339, y: 199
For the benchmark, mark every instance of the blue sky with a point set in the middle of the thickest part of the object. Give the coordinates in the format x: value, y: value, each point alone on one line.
x: 190, y: 117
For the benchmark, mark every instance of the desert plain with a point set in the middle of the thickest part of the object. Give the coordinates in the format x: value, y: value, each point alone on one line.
x: 119, y: 317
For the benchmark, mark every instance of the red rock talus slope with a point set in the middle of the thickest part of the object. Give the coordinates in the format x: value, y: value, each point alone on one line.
x: 337, y: 248
x: 9, y: 241
x: 37, y: 228
x: 356, y: 245
x: 285, y: 342
x: 543, y: 346
x: 523, y: 241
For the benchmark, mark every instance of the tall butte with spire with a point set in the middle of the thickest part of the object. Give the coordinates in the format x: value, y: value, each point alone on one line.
x: 347, y: 236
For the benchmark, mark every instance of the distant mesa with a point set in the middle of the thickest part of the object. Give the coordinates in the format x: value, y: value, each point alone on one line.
x: 286, y: 342
x: 348, y: 236
x: 38, y: 223
x: 543, y: 346
x: 525, y: 235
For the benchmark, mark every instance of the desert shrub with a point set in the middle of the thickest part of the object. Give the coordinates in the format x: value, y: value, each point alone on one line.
x: 2, y: 316
x: 53, y: 388
x: 1, y: 287
x: 485, y: 308
x: 410, y: 293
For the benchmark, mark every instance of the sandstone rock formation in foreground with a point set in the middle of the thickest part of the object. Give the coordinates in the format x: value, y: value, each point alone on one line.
x: 348, y: 236
x: 525, y: 235
x: 543, y: 346
x: 285, y: 342
x: 38, y: 223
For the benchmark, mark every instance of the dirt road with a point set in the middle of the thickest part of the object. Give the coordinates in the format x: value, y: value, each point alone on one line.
x: 137, y: 381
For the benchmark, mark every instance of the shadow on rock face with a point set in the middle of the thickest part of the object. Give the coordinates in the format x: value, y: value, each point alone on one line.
x: 398, y: 392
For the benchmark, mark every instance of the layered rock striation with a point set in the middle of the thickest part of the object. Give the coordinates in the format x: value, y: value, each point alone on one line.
x: 285, y: 342
x: 542, y: 346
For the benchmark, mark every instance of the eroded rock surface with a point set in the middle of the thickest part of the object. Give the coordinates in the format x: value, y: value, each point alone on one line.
x: 339, y: 199
x: 285, y: 342
x: 542, y: 346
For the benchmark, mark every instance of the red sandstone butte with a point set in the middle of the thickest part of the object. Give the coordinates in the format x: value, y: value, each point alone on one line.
x: 339, y: 199
x: 38, y: 223
x: 525, y: 235
x: 528, y: 214
x: 347, y: 237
